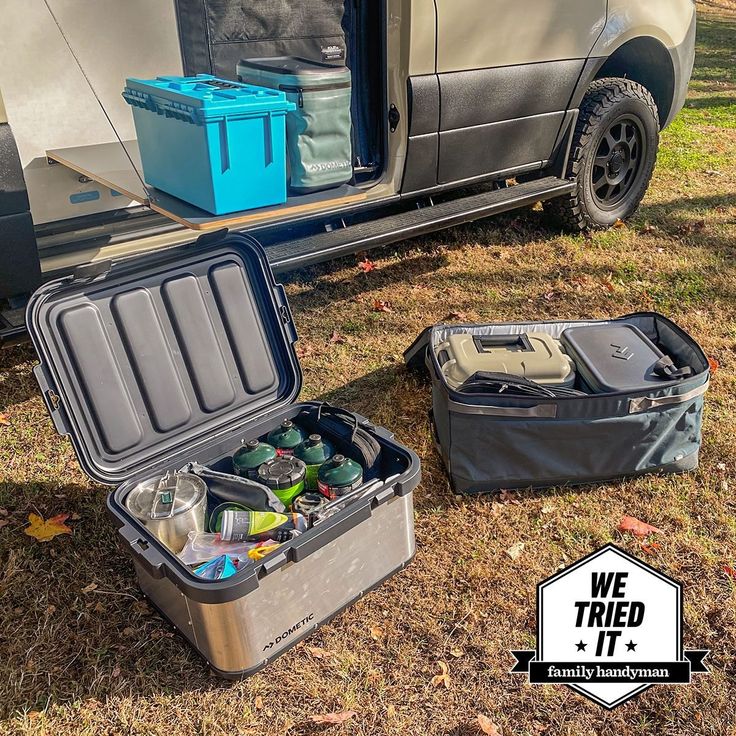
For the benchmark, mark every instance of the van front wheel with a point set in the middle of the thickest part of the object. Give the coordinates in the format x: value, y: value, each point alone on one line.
x: 613, y: 153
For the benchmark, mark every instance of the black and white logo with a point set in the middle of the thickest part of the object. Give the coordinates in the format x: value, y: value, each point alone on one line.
x: 609, y: 626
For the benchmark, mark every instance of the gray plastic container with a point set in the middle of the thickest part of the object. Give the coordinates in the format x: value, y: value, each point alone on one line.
x: 614, y: 358
x: 179, y: 356
x: 318, y: 131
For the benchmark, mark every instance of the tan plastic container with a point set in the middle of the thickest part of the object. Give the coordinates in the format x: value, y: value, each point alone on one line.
x: 533, y: 355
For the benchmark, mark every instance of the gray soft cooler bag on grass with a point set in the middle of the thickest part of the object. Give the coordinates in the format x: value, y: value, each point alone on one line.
x: 318, y: 131
x: 495, y: 441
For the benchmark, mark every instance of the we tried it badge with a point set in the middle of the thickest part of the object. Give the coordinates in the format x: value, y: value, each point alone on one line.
x: 609, y: 626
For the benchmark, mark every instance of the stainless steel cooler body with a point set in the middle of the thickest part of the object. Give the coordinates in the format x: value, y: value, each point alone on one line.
x: 240, y: 636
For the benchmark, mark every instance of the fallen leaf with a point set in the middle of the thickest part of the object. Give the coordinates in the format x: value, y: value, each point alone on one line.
x: 548, y: 508
x: 341, y: 717
x: 649, y: 228
x: 714, y: 365
x: 514, y: 552
x: 636, y: 527
x: 381, y: 306
x: 730, y: 571
x: 488, y: 726
x: 319, y: 653
x: 619, y: 224
x: 4, y: 420
x: 50, y: 610
x: 377, y: 633
x: 652, y: 548
x: 456, y: 317
x: 128, y: 631
x: 115, y: 671
x: 3, y: 522
x: 4, y: 512
x: 258, y: 703
x: 337, y: 338
x: 506, y: 496
x: 46, y: 530
x: 443, y: 678
x: 391, y: 710
x: 89, y: 588
x: 367, y: 265
x: 457, y: 652
x: 609, y: 285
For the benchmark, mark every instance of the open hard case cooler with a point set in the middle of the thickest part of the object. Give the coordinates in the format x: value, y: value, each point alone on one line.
x: 181, y: 356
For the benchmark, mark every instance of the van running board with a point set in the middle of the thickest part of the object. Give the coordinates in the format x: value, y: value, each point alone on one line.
x: 307, y: 251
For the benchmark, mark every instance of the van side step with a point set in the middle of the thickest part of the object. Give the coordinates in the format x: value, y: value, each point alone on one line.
x: 307, y: 251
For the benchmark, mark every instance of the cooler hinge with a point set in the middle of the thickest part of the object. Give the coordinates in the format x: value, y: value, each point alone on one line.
x: 284, y: 313
x: 91, y: 271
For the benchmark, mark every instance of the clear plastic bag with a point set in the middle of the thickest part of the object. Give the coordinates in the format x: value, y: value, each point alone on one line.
x: 202, y: 547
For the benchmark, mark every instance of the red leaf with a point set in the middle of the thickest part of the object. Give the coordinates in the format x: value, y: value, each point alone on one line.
x: 341, y: 717
x: 652, y: 548
x: 367, y: 265
x: 730, y: 571
x: 714, y: 365
x: 337, y: 338
x: 607, y: 284
x: 636, y: 527
x: 381, y: 306
x: 4, y: 421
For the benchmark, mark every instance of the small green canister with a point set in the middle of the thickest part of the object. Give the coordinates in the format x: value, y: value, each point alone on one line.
x: 285, y: 476
x: 286, y: 438
x: 250, y: 457
x: 339, y: 476
x: 314, y: 452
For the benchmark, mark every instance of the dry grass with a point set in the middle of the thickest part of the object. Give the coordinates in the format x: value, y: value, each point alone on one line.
x: 102, y: 663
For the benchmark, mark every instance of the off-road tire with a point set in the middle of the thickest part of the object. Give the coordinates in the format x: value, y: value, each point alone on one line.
x: 606, y: 102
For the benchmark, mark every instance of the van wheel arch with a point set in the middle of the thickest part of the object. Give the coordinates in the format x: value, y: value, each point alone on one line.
x: 644, y: 60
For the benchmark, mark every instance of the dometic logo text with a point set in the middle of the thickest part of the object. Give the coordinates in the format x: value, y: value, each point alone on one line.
x: 283, y: 637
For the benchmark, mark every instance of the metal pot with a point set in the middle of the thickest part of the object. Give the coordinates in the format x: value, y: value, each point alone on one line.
x: 170, y: 506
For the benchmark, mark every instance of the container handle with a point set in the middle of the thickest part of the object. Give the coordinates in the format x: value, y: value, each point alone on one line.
x: 268, y: 139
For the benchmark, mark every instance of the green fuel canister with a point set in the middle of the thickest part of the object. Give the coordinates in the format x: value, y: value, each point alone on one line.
x: 314, y: 452
x: 286, y: 438
x: 339, y: 476
x: 250, y: 457
x: 285, y: 476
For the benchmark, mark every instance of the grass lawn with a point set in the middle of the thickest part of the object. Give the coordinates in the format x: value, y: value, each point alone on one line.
x: 81, y: 652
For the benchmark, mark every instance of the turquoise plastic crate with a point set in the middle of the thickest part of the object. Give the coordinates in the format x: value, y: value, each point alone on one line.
x: 216, y: 144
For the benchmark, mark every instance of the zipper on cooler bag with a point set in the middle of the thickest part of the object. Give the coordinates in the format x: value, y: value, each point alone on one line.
x: 319, y: 88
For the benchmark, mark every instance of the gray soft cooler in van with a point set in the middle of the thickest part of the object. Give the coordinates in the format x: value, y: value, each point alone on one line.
x: 318, y: 131
x: 180, y: 356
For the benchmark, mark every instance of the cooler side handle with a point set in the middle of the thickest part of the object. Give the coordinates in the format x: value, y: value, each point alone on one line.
x: 52, y: 400
x: 143, y: 553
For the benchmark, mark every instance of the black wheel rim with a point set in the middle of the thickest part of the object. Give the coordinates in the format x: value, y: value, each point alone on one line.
x: 618, y: 161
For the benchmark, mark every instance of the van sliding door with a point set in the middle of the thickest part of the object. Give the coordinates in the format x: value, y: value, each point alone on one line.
x: 507, y: 70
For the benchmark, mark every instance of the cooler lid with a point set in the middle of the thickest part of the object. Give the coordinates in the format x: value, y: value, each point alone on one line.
x: 144, y: 364
x: 613, y: 357
x: 203, y: 95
